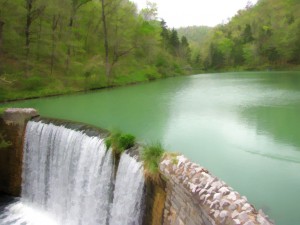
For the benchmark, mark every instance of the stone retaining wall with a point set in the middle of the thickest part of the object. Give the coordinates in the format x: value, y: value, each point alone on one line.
x: 194, y: 196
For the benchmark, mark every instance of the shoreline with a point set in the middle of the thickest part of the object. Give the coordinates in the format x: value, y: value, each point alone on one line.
x: 3, y: 102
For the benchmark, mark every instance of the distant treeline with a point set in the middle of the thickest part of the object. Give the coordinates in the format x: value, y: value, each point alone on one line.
x: 57, y: 46
x: 266, y: 35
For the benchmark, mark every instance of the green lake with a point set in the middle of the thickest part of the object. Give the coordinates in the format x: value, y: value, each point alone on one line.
x: 243, y: 127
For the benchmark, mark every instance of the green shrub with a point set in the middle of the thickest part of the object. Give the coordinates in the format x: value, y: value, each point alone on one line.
x: 151, y: 157
x: 33, y: 83
x: 126, y: 141
x: 119, y: 142
x: 108, y: 143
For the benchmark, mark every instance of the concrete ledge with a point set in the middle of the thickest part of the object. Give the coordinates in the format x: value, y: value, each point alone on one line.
x: 12, y: 126
x: 18, y: 115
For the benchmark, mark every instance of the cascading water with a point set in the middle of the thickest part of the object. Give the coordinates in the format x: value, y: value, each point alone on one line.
x: 68, y: 179
x: 127, y: 203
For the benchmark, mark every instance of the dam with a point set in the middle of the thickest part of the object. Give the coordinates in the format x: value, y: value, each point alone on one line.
x: 68, y: 176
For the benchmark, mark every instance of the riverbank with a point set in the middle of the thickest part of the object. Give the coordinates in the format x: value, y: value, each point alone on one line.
x: 35, y: 89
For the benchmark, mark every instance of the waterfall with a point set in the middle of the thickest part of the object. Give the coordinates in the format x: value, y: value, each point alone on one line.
x: 68, y: 179
x: 127, y: 203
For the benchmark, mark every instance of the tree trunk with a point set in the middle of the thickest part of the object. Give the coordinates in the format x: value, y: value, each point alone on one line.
x: 107, y: 64
x: 1, y: 32
x: 55, y: 21
x: 27, y: 28
x: 69, y: 45
x: 27, y: 34
x: 39, y: 40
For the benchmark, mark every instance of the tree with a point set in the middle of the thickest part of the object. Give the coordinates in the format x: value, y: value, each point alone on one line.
x: 150, y: 12
x: 75, y: 6
x: 165, y: 34
x: 117, y: 38
x: 247, y: 34
x: 174, y: 42
x: 185, y: 50
x: 3, y: 4
x: 105, y: 35
x: 33, y: 12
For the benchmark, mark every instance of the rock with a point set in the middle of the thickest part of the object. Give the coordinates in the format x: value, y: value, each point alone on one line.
x: 174, y: 167
x: 217, y: 196
x: 234, y: 214
x: 193, y: 187
x: 262, y: 220
x: 244, y: 197
x: 181, y: 159
x: 211, y: 190
x: 224, y: 203
x: 216, y: 214
x: 262, y: 213
x: 166, y: 162
x: 232, y: 196
x: 240, y: 202
x: 232, y: 206
x: 249, y: 222
x: 246, y: 206
x: 202, y: 191
x: 223, y: 214
x: 224, y: 190
x: 214, y: 203
x: 237, y: 222
x: 198, y: 169
x: 217, y: 184
x: 243, y: 216
x: 206, y: 197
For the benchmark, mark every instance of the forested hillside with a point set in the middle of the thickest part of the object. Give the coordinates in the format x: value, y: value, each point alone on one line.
x: 57, y: 46
x: 263, y: 36
x: 197, y: 35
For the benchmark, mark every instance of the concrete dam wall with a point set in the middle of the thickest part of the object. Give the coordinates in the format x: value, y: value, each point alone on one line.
x: 185, y: 193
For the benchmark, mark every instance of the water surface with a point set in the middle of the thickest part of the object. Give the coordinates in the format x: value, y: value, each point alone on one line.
x: 243, y: 127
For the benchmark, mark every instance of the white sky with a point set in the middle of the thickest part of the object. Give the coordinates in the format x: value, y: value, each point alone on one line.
x: 182, y: 13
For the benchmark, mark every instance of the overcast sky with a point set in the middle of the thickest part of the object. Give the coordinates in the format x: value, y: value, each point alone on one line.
x: 181, y: 13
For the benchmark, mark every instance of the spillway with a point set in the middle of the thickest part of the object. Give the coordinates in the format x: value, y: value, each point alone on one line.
x: 68, y: 178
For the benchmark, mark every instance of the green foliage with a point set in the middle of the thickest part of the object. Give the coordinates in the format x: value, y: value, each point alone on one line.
x: 3, y: 142
x: 262, y: 35
x: 126, y: 141
x: 119, y: 142
x: 151, y: 156
x: 2, y: 110
x: 33, y: 83
x: 195, y: 33
x: 108, y: 143
x: 197, y: 36
x: 62, y: 49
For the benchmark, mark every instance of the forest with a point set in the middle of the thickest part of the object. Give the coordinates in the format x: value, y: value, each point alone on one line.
x: 50, y: 47
x: 261, y: 36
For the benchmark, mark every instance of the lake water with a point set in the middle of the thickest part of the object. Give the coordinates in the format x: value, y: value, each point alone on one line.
x: 243, y: 127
